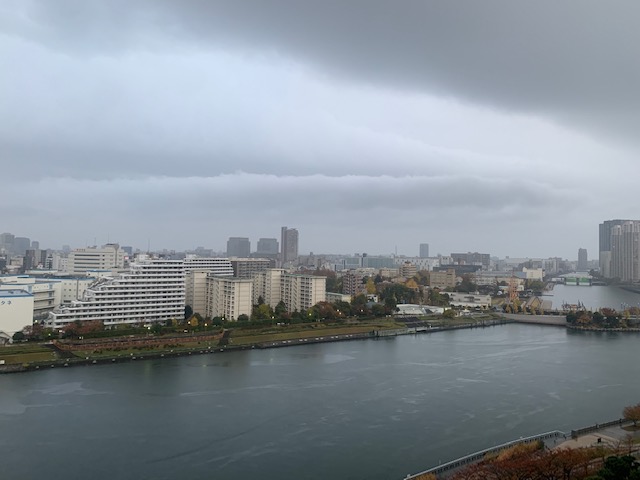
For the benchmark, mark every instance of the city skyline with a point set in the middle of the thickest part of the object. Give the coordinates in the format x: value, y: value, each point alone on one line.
x: 403, y: 124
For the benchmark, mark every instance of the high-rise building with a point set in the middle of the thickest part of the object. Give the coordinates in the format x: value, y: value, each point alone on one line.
x: 268, y: 246
x: 583, y: 261
x: 298, y: 292
x: 625, y: 251
x: 153, y: 290
x: 470, y: 258
x: 21, y: 245
x: 35, y: 245
x: 238, y: 247
x: 229, y: 297
x: 6, y: 241
x: 605, y: 247
x: 288, y: 245
x: 424, y: 250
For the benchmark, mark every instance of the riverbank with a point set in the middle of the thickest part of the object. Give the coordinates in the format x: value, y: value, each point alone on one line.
x: 70, y: 357
x: 608, y: 434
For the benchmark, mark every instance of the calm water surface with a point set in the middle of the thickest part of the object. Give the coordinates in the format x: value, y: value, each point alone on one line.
x: 351, y: 410
x: 594, y: 297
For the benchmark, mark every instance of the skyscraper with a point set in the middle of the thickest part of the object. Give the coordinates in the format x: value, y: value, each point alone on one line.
x: 238, y: 247
x: 288, y: 245
x: 605, y: 249
x: 424, y: 250
x: 582, y: 260
x: 268, y: 246
x: 625, y: 251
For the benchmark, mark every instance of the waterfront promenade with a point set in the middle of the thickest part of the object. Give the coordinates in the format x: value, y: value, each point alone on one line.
x: 614, y: 435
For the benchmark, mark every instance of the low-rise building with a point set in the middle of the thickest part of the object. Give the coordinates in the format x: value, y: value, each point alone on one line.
x: 16, y: 312
x: 442, y: 280
x: 469, y: 300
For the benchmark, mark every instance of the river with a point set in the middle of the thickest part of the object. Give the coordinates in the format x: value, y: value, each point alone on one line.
x: 367, y: 409
x: 593, y: 297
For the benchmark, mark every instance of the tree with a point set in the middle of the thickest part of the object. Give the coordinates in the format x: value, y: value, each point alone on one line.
x: 18, y: 337
x: 188, y: 312
x: 261, y: 312
x: 632, y: 413
x: 281, y: 308
x: 449, y: 313
x: 243, y: 317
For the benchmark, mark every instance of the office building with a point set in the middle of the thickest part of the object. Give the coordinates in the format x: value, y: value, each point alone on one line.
x: 288, y: 245
x: 470, y: 258
x: 238, y: 247
x: 108, y: 257
x: 21, y: 245
x: 424, y: 250
x: 583, y: 261
x: 267, y: 246
x: 442, y: 280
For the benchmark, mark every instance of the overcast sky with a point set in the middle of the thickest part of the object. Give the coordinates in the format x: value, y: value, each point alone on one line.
x: 503, y: 127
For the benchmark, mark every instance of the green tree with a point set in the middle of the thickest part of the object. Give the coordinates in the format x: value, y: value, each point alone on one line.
x: 261, y: 312
x: 18, y: 337
x: 188, y: 312
x: 281, y: 308
x: 243, y: 317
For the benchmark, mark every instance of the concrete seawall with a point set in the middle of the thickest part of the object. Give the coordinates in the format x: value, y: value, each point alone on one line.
x: 557, y: 320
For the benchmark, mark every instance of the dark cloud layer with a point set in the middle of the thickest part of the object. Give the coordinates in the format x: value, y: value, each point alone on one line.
x: 575, y: 61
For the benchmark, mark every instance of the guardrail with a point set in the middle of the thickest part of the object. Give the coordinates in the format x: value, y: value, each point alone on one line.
x: 598, y: 426
x: 449, y: 467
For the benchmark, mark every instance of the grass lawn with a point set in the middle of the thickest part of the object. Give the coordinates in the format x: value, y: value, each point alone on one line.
x: 16, y: 354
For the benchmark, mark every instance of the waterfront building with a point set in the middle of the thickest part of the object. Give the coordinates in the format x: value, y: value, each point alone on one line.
x: 298, y: 292
x: 196, y: 289
x: 16, y: 312
x: 248, y: 267
x: 153, y: 290
x: 108, y: 257
x: 267, y: 284
x: 288, y: 245
x: 605, y: 245
x: 424, y: 250
x: 301, y: 292
x: 625, y: 251
x: 238, y: 247
x: 228, y: 297
x: 46, y: 293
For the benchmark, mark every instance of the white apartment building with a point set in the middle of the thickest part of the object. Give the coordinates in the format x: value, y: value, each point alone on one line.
x: 153, y: 290
x: 16, y: 312
x: 217, y: 266
x: 110, y: 256
x: 229, y: 297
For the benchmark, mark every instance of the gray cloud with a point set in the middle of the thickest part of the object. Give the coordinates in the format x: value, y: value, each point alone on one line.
x: 473, y: 126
